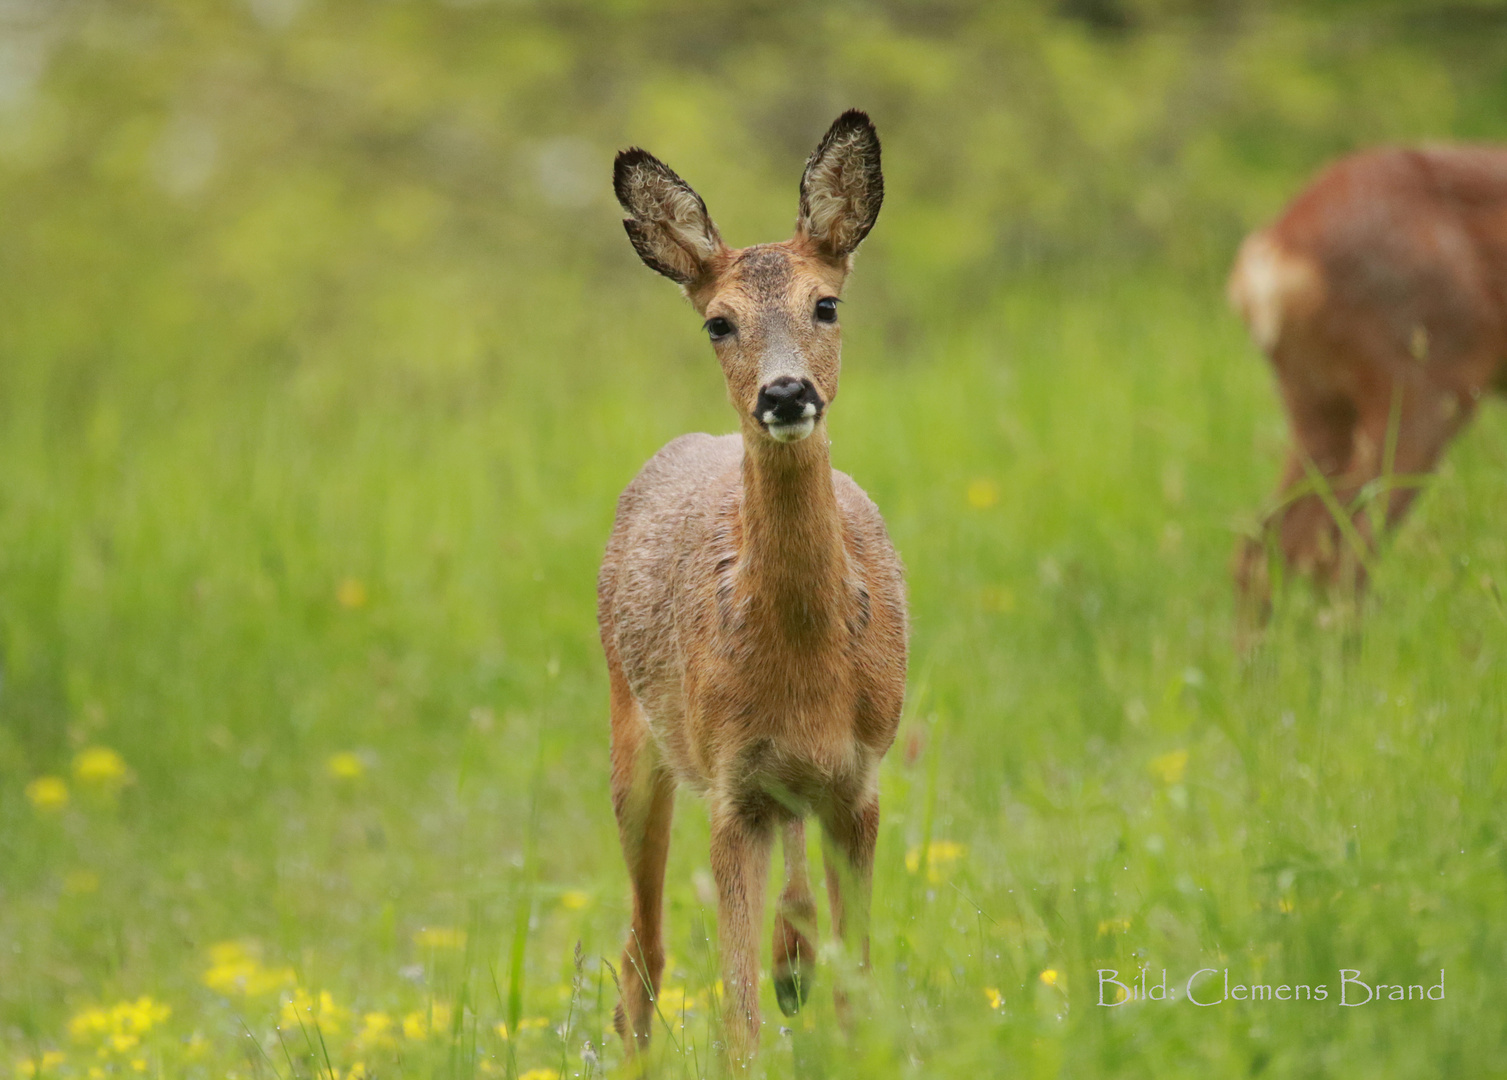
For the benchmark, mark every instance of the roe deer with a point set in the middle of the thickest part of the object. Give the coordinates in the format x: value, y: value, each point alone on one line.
x: 1380, y: 297
x: 751, y: 606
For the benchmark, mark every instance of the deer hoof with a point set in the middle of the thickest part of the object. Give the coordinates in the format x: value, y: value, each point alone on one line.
x: 791, y: 991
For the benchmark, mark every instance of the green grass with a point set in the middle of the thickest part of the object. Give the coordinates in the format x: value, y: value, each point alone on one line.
x: 230, y: 576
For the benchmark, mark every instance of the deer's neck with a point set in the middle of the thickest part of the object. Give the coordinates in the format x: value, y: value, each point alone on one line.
x: 794, y: 563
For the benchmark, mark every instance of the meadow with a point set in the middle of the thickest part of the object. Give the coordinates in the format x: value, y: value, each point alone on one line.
x: 308, y: 456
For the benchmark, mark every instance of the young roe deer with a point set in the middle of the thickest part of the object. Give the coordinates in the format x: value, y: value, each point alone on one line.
x: 1380, y: 297
x: 751, y: 606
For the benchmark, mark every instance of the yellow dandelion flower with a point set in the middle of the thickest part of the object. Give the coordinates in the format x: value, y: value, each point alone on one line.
x: 48, y: 1062
x: 351, y: 593
x: 101, y: 768
x: 995, y: 998
x: 121, y: 1041
x: 1169, y: 768
x: 502, y: 1031
x: 47, y: 793
x: 416, y: 1026
x: 672, y: 999
x: 235, y: 968
x: 377, y: 1032
x: 940, y: 856
x: 304, y: 1009
x: 540, y: 1074
x: 357, y: 1071
x: 422, y: 1023
x: 1050, y: 976
x: 440, y: 937
x: 982, y: 493
x: 574, y: 900
x: 345, y: 766
x: 139, y: 1065
x: 89, y: 1024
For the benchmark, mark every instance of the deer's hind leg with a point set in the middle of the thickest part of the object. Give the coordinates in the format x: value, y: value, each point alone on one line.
x: 849, y: 835
x: 794, y: 925
x: 643, y: 796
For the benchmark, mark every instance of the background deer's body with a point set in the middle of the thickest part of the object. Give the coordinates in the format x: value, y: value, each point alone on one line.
x: 1385, y: 280
x: 751, y: 606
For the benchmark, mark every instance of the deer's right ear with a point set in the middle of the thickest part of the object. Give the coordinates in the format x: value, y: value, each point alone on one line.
x: 667, y: 222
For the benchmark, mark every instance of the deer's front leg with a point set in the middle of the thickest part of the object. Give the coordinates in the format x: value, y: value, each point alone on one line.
x: 741, y: 842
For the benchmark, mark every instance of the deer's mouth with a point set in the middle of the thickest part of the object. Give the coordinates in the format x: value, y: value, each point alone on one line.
x: 789, y: 430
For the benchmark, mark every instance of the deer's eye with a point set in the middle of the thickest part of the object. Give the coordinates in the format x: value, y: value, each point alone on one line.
x: 826, y: 309
x: 718, y: 328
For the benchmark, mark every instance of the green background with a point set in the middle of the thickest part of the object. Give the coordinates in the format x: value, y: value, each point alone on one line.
x: 323, y: 358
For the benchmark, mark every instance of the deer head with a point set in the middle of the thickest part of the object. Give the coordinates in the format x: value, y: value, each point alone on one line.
x: 770, y: 309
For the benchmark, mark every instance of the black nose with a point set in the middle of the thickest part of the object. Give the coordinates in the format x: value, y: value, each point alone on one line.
x: 788, y: 399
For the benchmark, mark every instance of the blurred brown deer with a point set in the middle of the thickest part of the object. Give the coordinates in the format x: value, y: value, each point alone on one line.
x: 752, y: 609
x: 1378, y: 296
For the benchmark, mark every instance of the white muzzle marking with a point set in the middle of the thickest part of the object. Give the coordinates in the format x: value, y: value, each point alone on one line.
x: 795, y: 430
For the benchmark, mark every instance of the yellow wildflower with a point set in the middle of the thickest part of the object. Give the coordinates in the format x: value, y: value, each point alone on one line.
x: 49, y: 1061
x: 236, y: 969
x: 540, y: 1074
x: 376, y: 1032
x: 530, y: 1023
x: 119, y: 1028
x: 1049, y: 976
x: 302, y: 1008
x: 423, y: 1023
x: 440, y: 937
x: 139, y: 1065
x: 982, y: 493
x: 940, y: 855
x: 91, y: 1022
x: 345, y: 766
x: 995, y: 998
x: 673, y: 1000
x: 1113, y: 926
x: 351, y: 593
x: 574, y: 900
x: 1169, y: 768
x: 47, y: 793
x: 100, y: 768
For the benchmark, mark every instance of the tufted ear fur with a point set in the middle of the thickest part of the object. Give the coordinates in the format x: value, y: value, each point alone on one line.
x: 667, y: 222
x: 842, y: 188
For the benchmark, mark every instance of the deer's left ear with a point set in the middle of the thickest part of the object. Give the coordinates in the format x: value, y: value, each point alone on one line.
x: 842, y: 187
